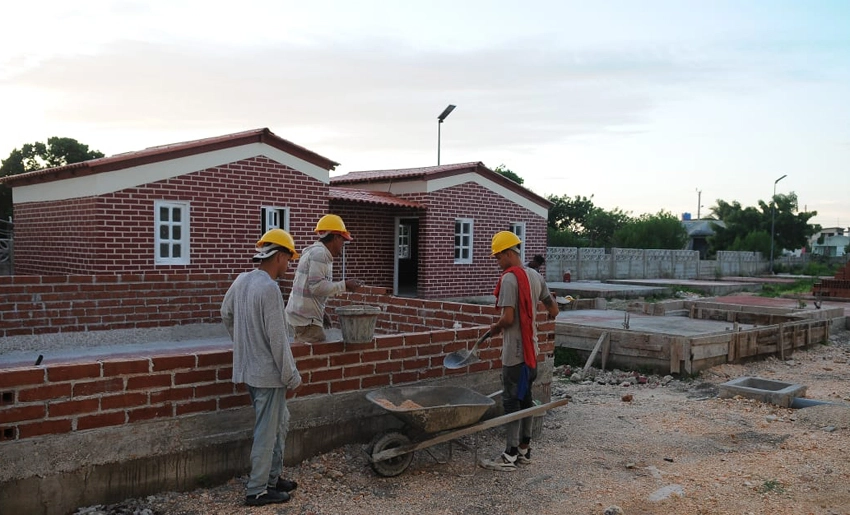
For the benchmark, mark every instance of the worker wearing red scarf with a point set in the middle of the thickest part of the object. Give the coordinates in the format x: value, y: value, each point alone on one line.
x: 517, y: 293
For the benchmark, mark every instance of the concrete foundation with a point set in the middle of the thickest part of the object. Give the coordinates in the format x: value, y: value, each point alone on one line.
x: 763, y: 390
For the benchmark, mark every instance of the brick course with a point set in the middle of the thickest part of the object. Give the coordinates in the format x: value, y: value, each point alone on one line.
x: 64, y: 397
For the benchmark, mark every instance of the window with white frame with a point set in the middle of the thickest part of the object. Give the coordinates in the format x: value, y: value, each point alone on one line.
x: 171, y: 233
x: 518, y: 228
x: 463, y: 240
x: 274, y: 218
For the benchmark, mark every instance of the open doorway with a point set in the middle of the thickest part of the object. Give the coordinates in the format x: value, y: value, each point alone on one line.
x: 407, y: 257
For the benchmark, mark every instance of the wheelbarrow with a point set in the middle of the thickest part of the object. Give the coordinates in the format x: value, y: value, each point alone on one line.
x: 432, y: 415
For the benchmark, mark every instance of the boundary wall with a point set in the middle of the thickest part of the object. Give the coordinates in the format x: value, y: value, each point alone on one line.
x: 599, y: 264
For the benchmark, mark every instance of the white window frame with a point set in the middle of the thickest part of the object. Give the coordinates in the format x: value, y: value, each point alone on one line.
x: 271, y: 217
x: 518, y: 228
x: 459, y: 248
x: 183, y: 241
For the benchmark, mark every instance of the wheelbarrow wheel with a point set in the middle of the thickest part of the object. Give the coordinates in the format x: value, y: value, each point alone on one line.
x: 393, y: 466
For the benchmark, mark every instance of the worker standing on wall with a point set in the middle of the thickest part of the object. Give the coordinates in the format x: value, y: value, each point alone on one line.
x: 313, y: 282
x: 517, y: 293
x: 252, y: 311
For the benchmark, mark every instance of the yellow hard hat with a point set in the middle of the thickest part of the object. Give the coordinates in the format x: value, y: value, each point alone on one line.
x: 273, y: 238
x: 504, y: 240
x: 334, y: 224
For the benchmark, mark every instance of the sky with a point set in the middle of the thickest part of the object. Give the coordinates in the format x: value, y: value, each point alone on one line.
x: 645, y: 105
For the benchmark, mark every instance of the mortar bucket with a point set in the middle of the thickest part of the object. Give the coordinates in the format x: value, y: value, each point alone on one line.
x: 357, y: 322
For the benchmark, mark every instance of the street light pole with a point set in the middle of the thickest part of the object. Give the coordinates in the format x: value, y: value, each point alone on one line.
x: 773, y: 219
x: 440, y: 119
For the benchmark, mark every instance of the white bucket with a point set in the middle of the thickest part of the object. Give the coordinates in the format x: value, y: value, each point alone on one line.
x: 357, y: 322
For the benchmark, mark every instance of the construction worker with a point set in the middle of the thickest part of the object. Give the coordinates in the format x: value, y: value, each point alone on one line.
x: 313, y: 282
x: 517, y: 293
x: 252, y: 312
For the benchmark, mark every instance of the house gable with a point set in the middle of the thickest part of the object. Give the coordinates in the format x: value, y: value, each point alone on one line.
x: 416, y: 181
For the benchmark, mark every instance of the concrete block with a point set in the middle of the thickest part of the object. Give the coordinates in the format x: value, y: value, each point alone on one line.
x: 763, y: 390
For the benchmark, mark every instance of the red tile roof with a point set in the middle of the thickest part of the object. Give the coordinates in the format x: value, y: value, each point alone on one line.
x: 166, y: 152
x: 429, y: 172
x: 436, y: 172
x: 382, y: 198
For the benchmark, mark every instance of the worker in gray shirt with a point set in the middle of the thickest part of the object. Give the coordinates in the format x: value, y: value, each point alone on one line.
x: 252, y: 311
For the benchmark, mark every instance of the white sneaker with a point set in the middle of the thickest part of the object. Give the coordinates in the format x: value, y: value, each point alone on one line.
x: 524, y: 456
x: 505, y: 462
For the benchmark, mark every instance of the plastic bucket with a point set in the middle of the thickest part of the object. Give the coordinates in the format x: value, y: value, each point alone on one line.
x: 357, y: 322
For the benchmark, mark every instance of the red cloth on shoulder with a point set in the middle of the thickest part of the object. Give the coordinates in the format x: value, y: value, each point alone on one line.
x: 525, y: 314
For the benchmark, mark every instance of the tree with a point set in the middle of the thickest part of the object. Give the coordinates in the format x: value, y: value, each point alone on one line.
x: 579, y: 221
x: 36, y: 156
x: 501, y: 169
x: 569, y: 214
x: 660, y: 231
x: 792, y: 230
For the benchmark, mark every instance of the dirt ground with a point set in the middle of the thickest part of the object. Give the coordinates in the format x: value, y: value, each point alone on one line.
x: 653, y: 448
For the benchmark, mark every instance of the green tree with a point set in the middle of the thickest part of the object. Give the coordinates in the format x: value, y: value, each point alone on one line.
x: 36, y: 156
x: 601, y: 226
x: 659, y: 231
x: 569, y: 213
x: 792, y: 228
x: 501, y: 169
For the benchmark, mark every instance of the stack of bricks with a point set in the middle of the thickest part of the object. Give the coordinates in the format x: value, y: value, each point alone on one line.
x: 837, y: 287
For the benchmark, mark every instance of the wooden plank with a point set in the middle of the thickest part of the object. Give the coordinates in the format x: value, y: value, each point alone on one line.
x: 595, y: 350
x: 675, y: 356
x: 686, y: 354
x: 701, y: 352
x: 606, y: 348
x: 781, y: 344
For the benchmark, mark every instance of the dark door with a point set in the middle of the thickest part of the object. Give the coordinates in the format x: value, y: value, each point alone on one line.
x: 407, y: 253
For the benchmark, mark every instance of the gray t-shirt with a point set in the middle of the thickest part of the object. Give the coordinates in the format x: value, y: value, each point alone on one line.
x: 509, y: 296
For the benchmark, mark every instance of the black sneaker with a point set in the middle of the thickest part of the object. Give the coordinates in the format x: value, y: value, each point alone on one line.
x: 284, y: 485
x: 523, y: 457
x: 267, y: 497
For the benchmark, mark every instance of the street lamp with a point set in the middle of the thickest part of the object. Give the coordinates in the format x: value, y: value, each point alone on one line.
x: 773, y: 219
x: 440, y: 119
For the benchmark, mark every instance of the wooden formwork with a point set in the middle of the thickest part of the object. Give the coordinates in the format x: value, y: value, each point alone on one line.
x: 689, y: 354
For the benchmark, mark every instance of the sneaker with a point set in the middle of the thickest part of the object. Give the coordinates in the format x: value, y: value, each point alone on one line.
x: 523, y: 456
x: 266, y: 497
x: 505, y: 462
x: 284, y: 485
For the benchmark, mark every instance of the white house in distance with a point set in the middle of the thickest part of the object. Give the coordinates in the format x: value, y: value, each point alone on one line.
x: 830, y: 241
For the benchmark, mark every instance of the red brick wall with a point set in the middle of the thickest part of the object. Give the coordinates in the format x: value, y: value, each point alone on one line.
x: 491, y: 213
x: 33, y: 305
x: 371, y: 255
x: 114, y: 233
x: 66, y: 397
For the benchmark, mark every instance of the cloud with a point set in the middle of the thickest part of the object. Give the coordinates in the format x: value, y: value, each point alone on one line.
x: 517, y: 94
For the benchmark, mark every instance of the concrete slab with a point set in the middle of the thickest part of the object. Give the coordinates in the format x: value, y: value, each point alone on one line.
x: 640, y: 323
x: 598, y: 289
x: 779, y: 302
x: 707, y: 287
x: 763, y: 390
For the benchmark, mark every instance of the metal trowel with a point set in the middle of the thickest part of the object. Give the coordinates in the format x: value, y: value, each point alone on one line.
x: 464, y: 357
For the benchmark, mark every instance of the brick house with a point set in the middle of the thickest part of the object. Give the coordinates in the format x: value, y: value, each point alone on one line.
x: 439, y: 220
x: 197, y: 206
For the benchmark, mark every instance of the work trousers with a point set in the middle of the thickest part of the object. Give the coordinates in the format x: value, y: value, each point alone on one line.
x: 517, y: 430
x: 271, y: 423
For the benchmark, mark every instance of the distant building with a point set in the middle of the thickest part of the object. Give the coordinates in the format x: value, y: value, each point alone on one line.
x: 699, y: 232
x: 830, y: 241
